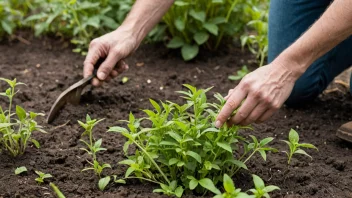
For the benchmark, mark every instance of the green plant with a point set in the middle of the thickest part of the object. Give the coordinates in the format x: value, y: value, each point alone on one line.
x: 93, y: 147
x: 295, y: 146
x: 256, y: 37
x: 20, y: 170
x: 240, y: 73
x: 77, y: 19
x: 178, y: 146
x: 203, y: 22
x: 10, y: 17
x: 15, y: 133
x: 230, y: 190
x: 57, y: 191
x: 260, y: 189
x: 42, y: 176
x: 103, y: 182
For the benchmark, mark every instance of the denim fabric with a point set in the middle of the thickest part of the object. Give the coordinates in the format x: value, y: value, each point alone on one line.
x: 288, y: 19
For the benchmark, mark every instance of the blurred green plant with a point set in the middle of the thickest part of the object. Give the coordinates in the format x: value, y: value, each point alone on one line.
x: 80, y: 20
x: 256, y: 36
x: 240, y: 74
x: 10, y: 16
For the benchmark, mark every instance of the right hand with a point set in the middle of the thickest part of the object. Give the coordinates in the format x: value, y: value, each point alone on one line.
x: 114, y: 47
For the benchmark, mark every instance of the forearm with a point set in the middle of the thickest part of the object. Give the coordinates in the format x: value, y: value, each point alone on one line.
x: 144, y: 15
x: 334, y: 26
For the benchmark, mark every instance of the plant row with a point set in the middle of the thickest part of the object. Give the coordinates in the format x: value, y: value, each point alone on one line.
x: 174, y: 145
x: 188, y: 25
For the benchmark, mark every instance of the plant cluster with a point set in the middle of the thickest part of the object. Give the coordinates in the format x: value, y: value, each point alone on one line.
x: 178, y: 146
x: 204, y: 22
x: 42, y: 176
x: 92, y: 148
x: 15, y: 133
x: 77, y: 19
x: 11, y: 17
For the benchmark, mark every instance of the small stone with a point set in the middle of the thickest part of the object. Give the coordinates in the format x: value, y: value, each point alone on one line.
x: 38, y: 65
x: 141, y: 64
x: 149, y: 81
x: 161, y: 88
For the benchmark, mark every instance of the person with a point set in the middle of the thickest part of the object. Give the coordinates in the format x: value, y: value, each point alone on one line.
x: 309, y: 44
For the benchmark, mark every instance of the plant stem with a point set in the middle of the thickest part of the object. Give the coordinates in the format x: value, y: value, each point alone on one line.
x: 142, y: 178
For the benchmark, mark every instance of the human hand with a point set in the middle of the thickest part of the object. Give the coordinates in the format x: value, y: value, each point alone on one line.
x: 114, y: 47
x: 262, y: 91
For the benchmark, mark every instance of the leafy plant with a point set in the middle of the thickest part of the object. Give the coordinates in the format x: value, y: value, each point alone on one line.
x: 179, y: 148
x: 16, y: 132
x: 20, y: 170
x: 204, y: 23
x: 93, y: 147
x: 103, y: 182
x: 295, y: 146
x: 256, y: 38
x: 10, y: 17
x: 42, y: 176
x: 57, y: 191
x: 79, y: 20
x: 260, y: 189
x: 240, y: 73
x: 230, y: 190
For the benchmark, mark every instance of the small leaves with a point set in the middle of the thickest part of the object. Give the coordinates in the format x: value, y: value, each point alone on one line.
x: 20, y: 170
x: 225, y: 146
x: 189, y: 51
x: 201, y: 37
x: 228, y: 184
x: 208, y: 184
x: 176, y: 42
x: 293, y: 136
x: 103, y: 182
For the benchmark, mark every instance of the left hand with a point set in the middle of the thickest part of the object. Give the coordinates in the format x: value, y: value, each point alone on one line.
x: 262, y: 91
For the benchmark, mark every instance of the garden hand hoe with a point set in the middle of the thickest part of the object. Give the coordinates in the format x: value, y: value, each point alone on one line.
x: 72, y: 94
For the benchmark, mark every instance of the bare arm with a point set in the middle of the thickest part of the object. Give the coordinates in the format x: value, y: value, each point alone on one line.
x: 267, y: 88
x: 119, y: 44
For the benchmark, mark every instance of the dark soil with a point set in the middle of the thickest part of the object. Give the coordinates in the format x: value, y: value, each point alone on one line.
x: 48, y: 66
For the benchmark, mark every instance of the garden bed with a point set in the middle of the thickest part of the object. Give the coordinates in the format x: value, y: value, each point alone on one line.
x: 48, y: 67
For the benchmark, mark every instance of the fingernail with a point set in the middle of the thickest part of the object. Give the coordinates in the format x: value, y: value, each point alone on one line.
x: 101, y: 75
x: 217, y: 124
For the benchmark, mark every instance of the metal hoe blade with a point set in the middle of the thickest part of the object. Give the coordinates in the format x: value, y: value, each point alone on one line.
x: 71, y: 95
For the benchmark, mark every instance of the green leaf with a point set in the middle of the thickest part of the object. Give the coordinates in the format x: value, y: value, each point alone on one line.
x: 293, y: 136
x: 263, y: 154
x: 258, y: 182
x: 118, y: 129
x: 129, y: 171
x: 218, y: 20
x: 155, y: 105
x: 21, y: 113
x: 265, y: 141
x: 300, y: 151
x: 180, y: 24
x: 306, y: 145
x: 103, y: 182
x: 200, y: 16
x: 5, y: 125
x: 196, y: 156
x: 212, y: 28
x: 7, y: 27
x: 175, y: 136
x: 271, y: 188
x: 36, y: 143
x: 57, y: 191
x: 189, y: 51
x: 228, y: 184
x: 225, y: 146
x: 20, y: 170
x: 173, y: 161
x: 209, y: 185
x: 179, y: 191
x: 201, y: 37
x: 193, y: 184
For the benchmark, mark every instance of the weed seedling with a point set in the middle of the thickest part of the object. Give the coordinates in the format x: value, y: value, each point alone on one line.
x: 15, y: 133
x: 230, y: 190
x: 295, y: 146
x: 240, y: 74
x: 42, y: 176
x: 260, y: 189
x: 93, y: 147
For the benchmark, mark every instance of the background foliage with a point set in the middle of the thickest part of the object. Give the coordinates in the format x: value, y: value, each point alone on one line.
x: 189, y: 25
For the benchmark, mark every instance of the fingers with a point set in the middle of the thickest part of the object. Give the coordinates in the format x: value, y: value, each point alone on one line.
x: 258, y: 111
x: 244, y: 111
x: 107, y: 66
x: 232, y: 103
x: 91, y: 58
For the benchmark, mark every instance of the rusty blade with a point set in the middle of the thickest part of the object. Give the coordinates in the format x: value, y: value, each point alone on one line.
x: 70, y: 95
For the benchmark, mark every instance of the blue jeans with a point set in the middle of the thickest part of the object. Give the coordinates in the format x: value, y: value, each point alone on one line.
x: 288, y: 19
